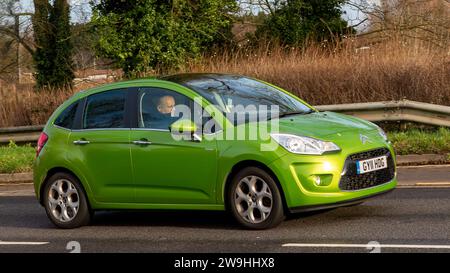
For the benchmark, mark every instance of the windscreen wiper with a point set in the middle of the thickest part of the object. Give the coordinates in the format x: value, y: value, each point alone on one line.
x: 292, y: 113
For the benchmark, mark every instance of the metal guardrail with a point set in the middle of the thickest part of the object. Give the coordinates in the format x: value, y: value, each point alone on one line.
x: 21, y: 134
x: 404, y: 110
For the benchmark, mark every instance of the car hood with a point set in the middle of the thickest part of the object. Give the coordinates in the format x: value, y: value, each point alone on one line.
x: 322, y: 124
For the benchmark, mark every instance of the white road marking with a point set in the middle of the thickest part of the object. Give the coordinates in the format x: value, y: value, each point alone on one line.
x: 17, y: 193
x: 368, y: 245
x: 424, y: 186
x: 424, y: 166
x: 23, y: 243
x: 17, y: 184
x: 433, y: 184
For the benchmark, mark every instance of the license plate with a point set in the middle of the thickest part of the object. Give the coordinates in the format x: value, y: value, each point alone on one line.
x: 370, y: 165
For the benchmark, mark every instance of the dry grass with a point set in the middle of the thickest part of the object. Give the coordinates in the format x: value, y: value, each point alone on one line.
x: 320, y: 76
x: 24, y: 106
x: 384, y: 72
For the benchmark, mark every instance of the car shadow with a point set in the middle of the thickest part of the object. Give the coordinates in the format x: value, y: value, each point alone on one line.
x: 308, y: 214
x: 167, y: 218
x: 180, y: 218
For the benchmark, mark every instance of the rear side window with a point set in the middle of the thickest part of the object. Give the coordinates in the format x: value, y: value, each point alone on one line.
x: 67, y: 117
x: 105, y: 110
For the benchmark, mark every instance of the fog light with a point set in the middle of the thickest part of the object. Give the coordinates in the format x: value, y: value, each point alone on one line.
x: 320, y: 180
x: 317, y: 180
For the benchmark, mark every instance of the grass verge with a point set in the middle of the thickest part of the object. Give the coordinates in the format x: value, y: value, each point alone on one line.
x: 421, y: 141
x: 16, y: 159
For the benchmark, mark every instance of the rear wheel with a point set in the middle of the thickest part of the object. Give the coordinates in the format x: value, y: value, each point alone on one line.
x: 65, y: 201
x: 255, y: 200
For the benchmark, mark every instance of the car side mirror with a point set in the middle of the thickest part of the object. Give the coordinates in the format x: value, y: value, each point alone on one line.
x: 187, y: 127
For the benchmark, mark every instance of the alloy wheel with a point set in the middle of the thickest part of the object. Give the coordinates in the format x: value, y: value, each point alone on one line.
x: 253, y: 199
x: 63, y: 200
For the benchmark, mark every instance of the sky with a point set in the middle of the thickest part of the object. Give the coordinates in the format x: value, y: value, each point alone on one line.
x: 80, y: 9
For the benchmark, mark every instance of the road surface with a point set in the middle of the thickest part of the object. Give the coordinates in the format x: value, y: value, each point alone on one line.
x: 409, y: 219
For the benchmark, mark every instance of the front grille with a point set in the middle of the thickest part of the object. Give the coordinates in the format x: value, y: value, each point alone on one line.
x: 351, y: 181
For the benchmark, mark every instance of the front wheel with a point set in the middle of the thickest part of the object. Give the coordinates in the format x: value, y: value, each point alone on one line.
x: 255, y: 200
x: 65, y: 201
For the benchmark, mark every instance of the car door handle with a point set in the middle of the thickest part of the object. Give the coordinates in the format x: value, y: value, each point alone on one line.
x: 142, y: 142
x: 81, y: 142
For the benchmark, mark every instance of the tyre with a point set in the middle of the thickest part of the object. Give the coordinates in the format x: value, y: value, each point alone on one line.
x: 254, y: 199
x: 65, y: 201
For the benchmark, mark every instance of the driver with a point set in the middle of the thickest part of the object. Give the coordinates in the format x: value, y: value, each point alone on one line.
x: 163, y: 116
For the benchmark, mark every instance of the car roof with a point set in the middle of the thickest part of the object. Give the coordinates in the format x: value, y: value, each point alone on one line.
x: 181, y: 79
x: 187, y: 77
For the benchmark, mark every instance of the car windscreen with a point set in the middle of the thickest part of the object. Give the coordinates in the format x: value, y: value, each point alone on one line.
x: 232, y: 94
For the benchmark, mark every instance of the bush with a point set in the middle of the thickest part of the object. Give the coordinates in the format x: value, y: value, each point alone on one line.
x: 145, y: 35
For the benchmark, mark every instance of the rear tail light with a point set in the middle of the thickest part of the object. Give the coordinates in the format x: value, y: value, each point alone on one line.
x: 41, y: 142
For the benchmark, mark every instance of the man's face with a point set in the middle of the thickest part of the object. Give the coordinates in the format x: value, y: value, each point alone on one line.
x: 166, y: 104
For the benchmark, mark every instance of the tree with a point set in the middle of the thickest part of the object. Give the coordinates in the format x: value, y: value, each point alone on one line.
x: 143, y: 35
x: 59, y: 20
x: 293, y: 21
x: 15, y: 35
x: 53, y: 54
x: 409, y: 21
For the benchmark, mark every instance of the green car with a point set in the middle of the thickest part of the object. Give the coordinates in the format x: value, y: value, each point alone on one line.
x: 205, y: 142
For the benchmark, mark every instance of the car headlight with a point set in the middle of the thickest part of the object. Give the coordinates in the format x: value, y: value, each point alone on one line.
x: 382, y: 134
x: 304, y: 145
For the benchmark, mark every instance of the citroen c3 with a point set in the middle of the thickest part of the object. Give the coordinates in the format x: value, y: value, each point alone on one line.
x: 125, y: 145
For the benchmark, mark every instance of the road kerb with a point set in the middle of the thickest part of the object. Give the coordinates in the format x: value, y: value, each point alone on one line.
x: 423, y: 159
x: 16, y: 178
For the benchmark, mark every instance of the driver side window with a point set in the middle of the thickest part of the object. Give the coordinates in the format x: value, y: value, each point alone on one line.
x: 158, y: 108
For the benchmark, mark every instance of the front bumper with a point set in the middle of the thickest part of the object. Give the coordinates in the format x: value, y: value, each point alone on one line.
x: 345, y: 203
x: 299, y: 176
